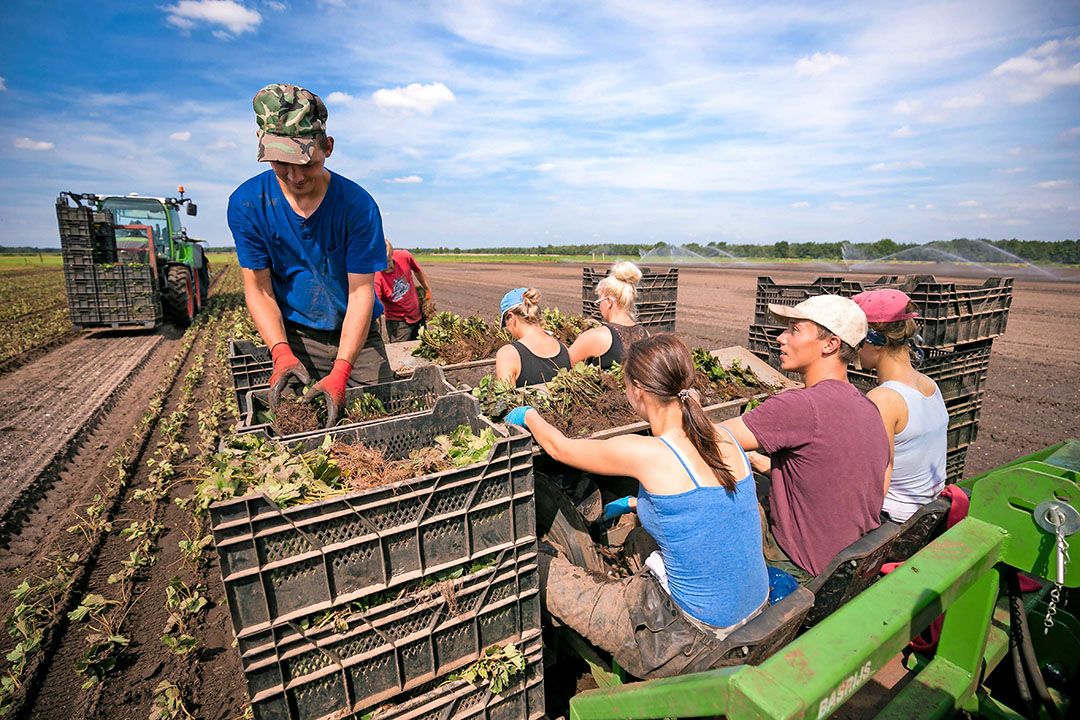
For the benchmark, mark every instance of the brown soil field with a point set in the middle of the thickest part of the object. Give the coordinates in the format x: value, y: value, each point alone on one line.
x: 1032, y: 398
x: 1032, y: 401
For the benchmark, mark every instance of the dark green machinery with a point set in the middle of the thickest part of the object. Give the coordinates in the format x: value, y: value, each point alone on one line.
x: 1021, y: 518
x: 128, y: 261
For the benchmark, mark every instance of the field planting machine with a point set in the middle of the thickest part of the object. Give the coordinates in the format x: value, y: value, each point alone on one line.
x: 397, y: 653
x: 129, y: 262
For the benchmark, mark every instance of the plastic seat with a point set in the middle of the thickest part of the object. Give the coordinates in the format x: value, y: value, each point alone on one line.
x: 774, y: 628
x: 853, y: 570
x: 923, y: 526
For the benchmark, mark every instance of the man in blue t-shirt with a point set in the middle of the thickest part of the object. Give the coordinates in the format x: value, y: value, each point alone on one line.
x: 309, y: 242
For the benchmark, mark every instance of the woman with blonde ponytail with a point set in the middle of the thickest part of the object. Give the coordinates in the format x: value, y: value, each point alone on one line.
x: 696, y: 499
x: 616, y: 296
x: 535, y: 356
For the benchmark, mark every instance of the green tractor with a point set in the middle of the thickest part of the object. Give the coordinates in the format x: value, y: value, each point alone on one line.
x: 129, y: 262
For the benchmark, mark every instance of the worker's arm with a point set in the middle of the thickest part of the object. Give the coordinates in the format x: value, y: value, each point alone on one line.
x: 623, y: 455
x: 594, y: 342
x: 507, y: 364
x: 761, y: 463
x: 357, y: 323
x: 894, y: 417
x: 266, y: 314
x: 746, y: 439
x: 262, y: 305
x: 422, y: 278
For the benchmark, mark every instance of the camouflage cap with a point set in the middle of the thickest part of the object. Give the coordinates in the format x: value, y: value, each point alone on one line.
x: 289, y: 119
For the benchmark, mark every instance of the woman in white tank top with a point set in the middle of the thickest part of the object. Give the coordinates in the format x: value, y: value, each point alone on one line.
x: 910, y: 404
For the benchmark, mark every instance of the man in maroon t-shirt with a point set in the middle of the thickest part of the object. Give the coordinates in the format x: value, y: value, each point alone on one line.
x: 395, y: 288
x: 829, y: 456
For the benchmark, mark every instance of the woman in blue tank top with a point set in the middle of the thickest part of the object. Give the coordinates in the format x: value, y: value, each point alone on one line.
x: 697, y: 499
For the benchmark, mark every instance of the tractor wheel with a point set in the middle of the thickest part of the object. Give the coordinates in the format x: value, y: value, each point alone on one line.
x: 558, y: 522
x: 179, y: 297
x: 204, y: 282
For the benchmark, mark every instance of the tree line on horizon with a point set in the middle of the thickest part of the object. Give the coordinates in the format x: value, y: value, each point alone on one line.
x: 1065, y: 252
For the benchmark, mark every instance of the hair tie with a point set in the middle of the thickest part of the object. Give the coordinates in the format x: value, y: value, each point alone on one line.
x: 684, y: 394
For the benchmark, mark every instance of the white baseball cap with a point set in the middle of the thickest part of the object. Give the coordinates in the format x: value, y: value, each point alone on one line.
x: 839, y: 315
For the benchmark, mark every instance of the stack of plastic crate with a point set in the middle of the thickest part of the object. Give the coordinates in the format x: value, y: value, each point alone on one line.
x: 379, y: 598
x: 250, y: 366
x: 657, y: 294
x: 83, y: 240
x: 958, y: 324
x: 101, y: 292
x: 127, y: 294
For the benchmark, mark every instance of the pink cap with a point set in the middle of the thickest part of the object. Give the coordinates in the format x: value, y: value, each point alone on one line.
x: 885, y: 305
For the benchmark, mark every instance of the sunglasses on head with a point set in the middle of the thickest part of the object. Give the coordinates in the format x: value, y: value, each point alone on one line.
x: 876, y: 338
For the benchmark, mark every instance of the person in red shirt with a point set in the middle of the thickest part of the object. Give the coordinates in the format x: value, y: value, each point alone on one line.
x: 396, y: 289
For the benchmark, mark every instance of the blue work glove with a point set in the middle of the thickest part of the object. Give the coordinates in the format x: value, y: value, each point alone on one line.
x: 615, y: 508
x: 517, y: 415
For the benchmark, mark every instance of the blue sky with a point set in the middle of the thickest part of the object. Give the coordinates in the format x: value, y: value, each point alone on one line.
x: 523, y: 123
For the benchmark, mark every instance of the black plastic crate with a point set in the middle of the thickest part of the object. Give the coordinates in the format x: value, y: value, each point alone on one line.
x: 954, y: 464
x: 279, y: 564
x: 791, y: 294
x: 950, y: 314
x: 84, y: 317
x: 396, y: 647
x: 415, y: 394
x: 250, y: 366
x: 959, y: 372
x: 522, y: 700
x: 75, y: 223
x: 655, y: 316
x: 654, y: 286
x: 78, y: 263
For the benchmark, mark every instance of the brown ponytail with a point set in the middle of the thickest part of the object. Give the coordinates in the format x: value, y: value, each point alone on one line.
x: 661, y: 365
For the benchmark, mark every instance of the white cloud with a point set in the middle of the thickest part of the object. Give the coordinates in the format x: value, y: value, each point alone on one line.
x: 896, y: 165
x: 1070, y: 134
x: 964, y: 102
x: 3, y: 83
x: 1041, y: 70
x: 911, y: 206
x: 25, y: 143
x: 985, y: 216
x: 339, y: 98
x: 800, y: 204
x: 931, y: 206
x: 234, y: 17
x: 839, y: 207
x: 414, y: 97
x: 1054, y: 184
x: 1016, y: 150
x: 819, y: 63
x: 1014, y: 170
x: 406, y: 180
x: 906, y: 107
x: 545, y: 167
x: 904, y: 131
x: 181, y: 136
x: 276, y: 6
x: 968, y: 203
x: 221, y: 145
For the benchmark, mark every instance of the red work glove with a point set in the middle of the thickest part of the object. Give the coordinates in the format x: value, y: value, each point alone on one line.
x: 286, y: 369
x: 332, y: 388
